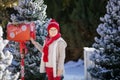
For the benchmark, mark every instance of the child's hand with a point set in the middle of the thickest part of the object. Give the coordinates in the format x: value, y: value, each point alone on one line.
x: 32, y: 40
x: 59, y: 72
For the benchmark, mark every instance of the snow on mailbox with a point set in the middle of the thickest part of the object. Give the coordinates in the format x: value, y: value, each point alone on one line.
x: 21, y: 31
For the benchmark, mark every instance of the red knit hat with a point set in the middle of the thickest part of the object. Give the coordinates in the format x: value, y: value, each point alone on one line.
x: 53, y: 23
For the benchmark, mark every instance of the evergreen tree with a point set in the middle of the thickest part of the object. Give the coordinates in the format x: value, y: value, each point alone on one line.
x: 107, y: 54
x: 5, y: 60
x: 30, y: 10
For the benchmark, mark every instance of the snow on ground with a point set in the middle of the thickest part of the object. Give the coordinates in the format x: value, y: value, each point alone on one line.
x: 74, y: 70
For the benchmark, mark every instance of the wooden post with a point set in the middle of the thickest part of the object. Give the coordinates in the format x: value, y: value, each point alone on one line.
x: 22, y: 66
x: 87, y: 62
x: 23, y: 51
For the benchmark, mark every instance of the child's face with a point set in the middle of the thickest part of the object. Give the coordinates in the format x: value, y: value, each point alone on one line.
x: 53, y: 32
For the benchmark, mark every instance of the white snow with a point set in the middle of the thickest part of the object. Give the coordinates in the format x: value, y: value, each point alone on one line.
x: 74, y: 70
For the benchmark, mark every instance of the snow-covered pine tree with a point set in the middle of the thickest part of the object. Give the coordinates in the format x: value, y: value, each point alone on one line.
x: 5, y: 60
x: 30, y: 10
x: 107, y: 54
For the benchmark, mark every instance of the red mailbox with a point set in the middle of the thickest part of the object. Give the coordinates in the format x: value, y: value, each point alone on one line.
x: 21, y: 32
